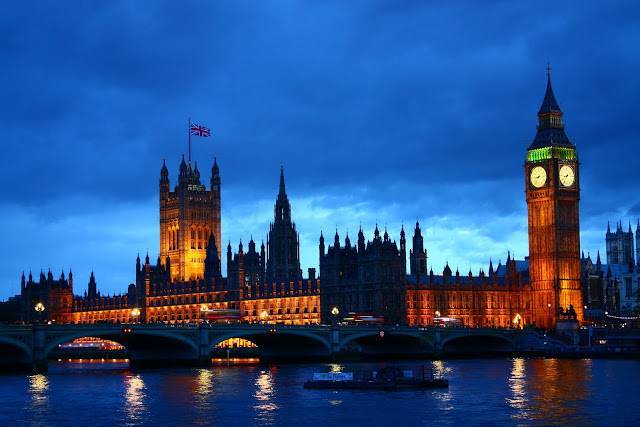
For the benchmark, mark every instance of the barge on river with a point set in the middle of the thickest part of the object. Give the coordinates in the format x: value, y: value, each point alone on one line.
x: 388, y: 378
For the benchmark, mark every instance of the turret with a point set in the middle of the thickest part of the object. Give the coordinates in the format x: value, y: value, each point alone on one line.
x: 321, y: 245
x: 164, y: 179
x: 196, y: 173
x: 336, y: 240
x: 184, y: 171
x: 92, y: 287
x: 361, y: 246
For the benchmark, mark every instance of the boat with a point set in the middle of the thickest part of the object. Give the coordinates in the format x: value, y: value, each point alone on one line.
x: 388, y: 378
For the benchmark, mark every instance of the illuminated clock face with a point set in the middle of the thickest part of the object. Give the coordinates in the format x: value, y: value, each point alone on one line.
x: 567, y: 176
x: 538, y: 176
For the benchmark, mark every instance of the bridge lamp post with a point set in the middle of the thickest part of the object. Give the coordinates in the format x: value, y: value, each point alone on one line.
x: 39, y: 308
x: 516, y: 321
x: 203, y: 309
x: 549, y: 313
x: 437, y: 313
x: 263, y: 316
x: 334, y: 313
x: 135, y: 314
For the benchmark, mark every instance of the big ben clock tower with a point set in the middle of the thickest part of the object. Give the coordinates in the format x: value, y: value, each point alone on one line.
x: 553, y: 195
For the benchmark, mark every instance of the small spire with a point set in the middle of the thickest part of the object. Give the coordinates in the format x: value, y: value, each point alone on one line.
x: 549, y: 103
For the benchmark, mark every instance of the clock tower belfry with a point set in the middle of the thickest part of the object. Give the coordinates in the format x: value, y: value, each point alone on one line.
x: 553, y: 195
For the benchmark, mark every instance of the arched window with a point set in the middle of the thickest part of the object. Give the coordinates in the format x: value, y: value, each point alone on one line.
x: 193, y: 238
x: 200, y: 238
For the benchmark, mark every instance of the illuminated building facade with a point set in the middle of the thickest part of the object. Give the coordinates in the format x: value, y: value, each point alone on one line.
x: 501, y: 298
x: 267, y: 286
x: 552, y: 182
x: 54, y: 296
x: 188, y: 216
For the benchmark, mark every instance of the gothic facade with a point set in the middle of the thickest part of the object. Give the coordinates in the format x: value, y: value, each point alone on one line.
x: 366, y: 278
x: 266, y: 284
x: 600, y: 289
x: 623, y: 264
x: 552, y: 185
x: 270, y: 282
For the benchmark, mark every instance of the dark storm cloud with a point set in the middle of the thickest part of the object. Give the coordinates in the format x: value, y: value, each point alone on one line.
x: 403, y: 109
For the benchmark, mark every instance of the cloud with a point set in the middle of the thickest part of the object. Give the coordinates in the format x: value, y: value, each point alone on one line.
x: 378, y: 111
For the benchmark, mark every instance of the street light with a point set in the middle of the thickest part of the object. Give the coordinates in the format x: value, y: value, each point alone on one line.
x: 516, y: 320
x: 203, y: 309
x: 264, y: 315
x: 135, y: 313
x: 334, y: 312
x: 39, y: 308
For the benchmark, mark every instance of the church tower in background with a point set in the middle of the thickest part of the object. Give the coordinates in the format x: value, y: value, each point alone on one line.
x: 553, y: 195
x: 189, y: 215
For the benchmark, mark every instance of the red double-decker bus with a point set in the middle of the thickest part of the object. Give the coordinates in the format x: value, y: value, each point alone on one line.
x: 223, y: 316
x: 363, y: 319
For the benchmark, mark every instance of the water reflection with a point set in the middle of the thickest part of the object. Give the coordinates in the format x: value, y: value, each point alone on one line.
x: 135, y: 397
x: 265, y: 393
x: 336, y: 367
x: 443, y: 396
x: 518, y: 387
x: 204, y: 388
x: 554, y: 391
x: 39, y: 391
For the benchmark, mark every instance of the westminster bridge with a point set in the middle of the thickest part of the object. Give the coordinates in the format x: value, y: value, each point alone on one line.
x: 32, y: 345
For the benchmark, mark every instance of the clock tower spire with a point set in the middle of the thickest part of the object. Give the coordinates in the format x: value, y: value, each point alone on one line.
x: 553, y: 195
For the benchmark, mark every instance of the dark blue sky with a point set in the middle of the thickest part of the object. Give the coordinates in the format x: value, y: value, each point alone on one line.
x: 379, y: 111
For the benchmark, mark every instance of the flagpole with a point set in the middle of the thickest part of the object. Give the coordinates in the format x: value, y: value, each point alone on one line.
x: 189, y: 133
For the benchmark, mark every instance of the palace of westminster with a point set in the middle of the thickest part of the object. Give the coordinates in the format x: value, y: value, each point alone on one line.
x: 266, y: 284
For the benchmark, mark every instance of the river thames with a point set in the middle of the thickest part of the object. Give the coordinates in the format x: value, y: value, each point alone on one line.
x: 481, y: 392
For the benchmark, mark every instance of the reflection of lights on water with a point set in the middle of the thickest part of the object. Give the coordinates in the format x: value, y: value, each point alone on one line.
x: 517, y: 385
x: 204, y: 382
x: 335, y: 402
x: 134, y: 396
x: 439, y: 368
x: 38, y: 388
x: 442, y: 395
x: 265, y: 393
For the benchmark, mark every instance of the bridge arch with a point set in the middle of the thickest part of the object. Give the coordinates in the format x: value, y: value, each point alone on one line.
x: 279, y: 343
x: 485, y: 343
x: 14, y: 352
x: 399, y: 342
x: 126, y: 339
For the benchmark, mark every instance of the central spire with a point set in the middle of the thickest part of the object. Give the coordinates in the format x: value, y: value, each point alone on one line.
x: 282, y: 191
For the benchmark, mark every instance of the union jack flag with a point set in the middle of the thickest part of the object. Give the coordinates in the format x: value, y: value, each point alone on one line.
x: 198, y: 130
